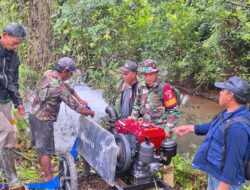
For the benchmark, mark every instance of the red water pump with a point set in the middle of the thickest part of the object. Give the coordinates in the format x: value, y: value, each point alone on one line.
x: 143, y: 147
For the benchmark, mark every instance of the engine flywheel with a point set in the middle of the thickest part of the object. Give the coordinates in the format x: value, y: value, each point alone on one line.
x: 124, y: 157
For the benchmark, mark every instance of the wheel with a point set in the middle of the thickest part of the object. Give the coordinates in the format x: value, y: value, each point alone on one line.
x: 67, y: 173
x: 124, y: 158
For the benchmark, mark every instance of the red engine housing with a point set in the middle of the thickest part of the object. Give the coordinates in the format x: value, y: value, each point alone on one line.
x: 141, y: 129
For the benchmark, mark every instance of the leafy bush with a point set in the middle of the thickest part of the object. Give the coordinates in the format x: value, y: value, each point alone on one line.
x: 27, y: 78
x: 198, y: 41
x: 185, y: 176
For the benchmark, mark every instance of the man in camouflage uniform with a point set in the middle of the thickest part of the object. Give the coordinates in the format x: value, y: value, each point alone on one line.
x: 156, y: 102
x: 45, y: 108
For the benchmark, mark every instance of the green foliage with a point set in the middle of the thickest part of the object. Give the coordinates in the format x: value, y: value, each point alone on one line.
x: 246, y: 188
x: 22, y: 126
x: 196, y: 40
x: 193, y: 40
x: 185, y: 176
x: 199, y: 40
x: 105, y: 77
x: 27, y: 77
x: 7, y: 11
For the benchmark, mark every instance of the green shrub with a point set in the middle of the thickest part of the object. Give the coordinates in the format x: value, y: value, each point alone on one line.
x: 27, y: 78
x: 185, y: 176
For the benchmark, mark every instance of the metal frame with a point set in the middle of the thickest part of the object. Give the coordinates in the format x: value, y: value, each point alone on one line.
x: 158, y: 182
x: 121, y: 183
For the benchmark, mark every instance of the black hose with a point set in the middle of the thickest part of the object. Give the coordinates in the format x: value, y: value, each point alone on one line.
x: 112, y: 113
x: 113, y: 118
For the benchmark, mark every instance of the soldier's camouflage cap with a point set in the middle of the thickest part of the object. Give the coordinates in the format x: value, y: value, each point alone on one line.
x: 148, y: 66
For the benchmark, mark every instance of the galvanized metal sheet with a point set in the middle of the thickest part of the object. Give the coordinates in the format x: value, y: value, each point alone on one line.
x: 97, y: 146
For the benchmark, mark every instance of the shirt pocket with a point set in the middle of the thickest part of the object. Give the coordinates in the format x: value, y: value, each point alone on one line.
x: 156, y: 112
x: 215, y: 154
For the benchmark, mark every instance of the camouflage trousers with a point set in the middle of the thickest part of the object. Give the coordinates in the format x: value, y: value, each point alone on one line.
x: 8, y: 129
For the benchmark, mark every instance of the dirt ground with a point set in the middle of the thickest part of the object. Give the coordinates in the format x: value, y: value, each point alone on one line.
x: 93, y: 182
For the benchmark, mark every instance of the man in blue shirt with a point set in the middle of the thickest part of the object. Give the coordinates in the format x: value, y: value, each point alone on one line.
x: 222, y: 157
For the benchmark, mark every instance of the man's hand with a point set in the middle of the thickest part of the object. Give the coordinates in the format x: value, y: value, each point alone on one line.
x: 183, y: 129
x: 91, y: 113
x: 223, y: 186
x: 88, y: 112
x: 132, y: 117
x: 20, y: 111
x: 78, y: 98
x: 83, y: 102
x: 167, y: 134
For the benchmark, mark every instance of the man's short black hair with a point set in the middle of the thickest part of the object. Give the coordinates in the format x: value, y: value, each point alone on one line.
x: 17, y: 30
x: 240, y: 101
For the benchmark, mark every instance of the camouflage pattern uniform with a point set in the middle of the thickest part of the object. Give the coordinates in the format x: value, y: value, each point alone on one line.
x: 50, y: 93
x: 150, y: 106
x: 157, y: 104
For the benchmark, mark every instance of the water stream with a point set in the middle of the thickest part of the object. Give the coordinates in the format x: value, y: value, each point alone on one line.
x: 197, y: 110
x: 65, y: 129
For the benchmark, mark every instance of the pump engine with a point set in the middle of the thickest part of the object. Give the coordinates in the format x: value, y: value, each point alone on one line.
x: 143, y: 148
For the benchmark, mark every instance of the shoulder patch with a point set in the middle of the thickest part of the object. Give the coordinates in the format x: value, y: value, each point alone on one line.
x: 169, y: 97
